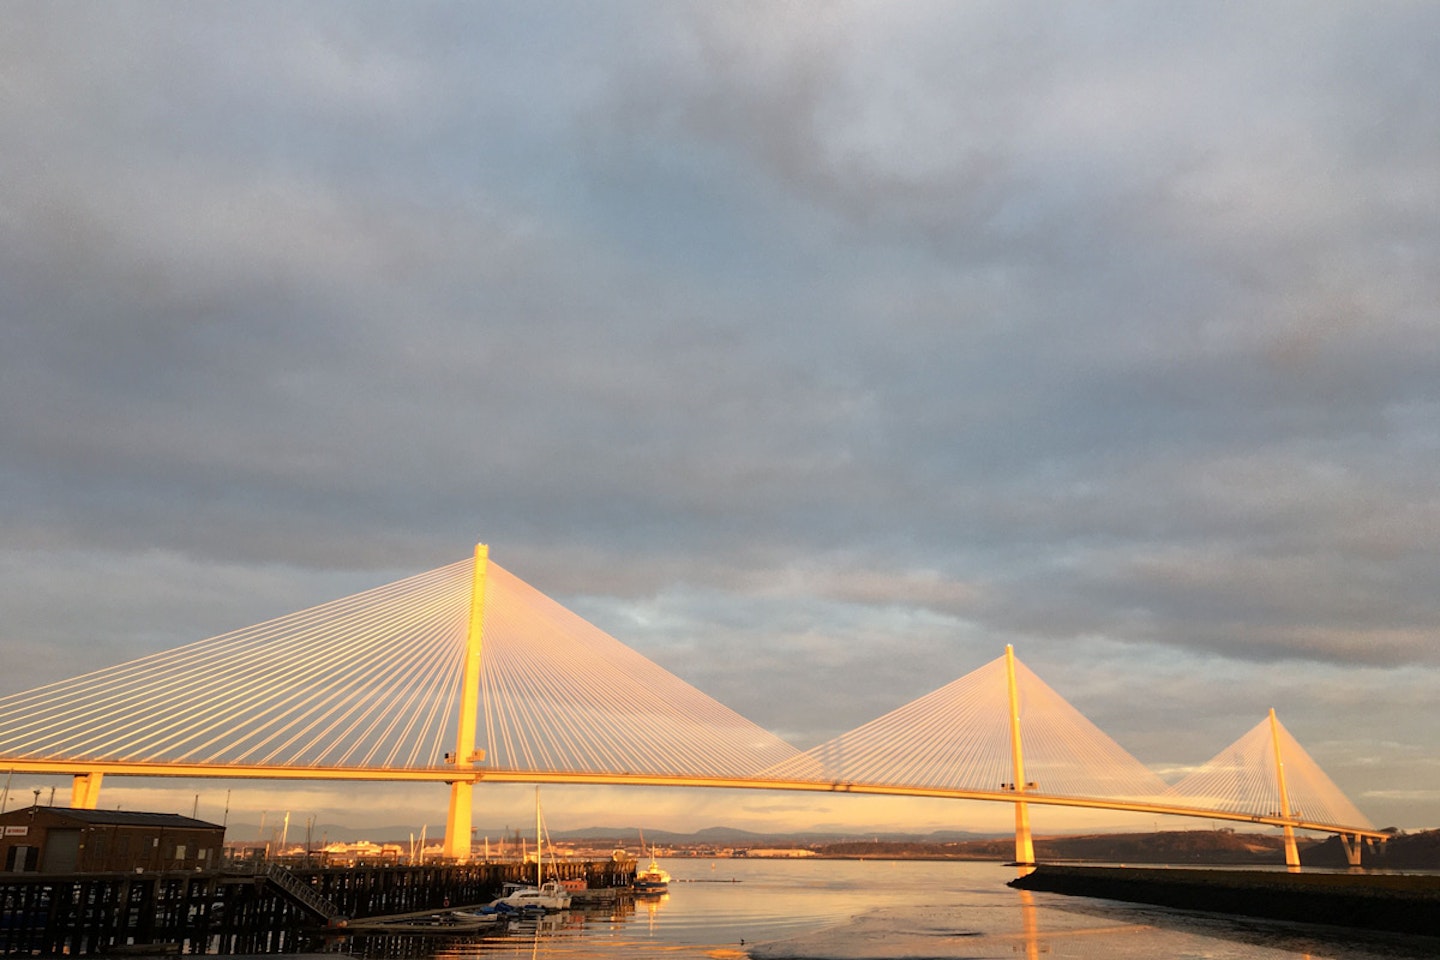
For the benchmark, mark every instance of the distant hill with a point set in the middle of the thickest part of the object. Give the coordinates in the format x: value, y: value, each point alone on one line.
x: 1414, y: 851
x: 733, y: 836
x: 716, y: 836
x: 1175, y: 847
x: 1403, y: 851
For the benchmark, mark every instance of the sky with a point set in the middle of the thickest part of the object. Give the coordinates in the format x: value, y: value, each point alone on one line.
x: 814, y: 350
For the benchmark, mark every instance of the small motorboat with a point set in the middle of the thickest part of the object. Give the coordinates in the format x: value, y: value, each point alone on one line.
x: 544, y: 897
x: 449, y: 923
x: 550, y: 895
x: 483, y: 917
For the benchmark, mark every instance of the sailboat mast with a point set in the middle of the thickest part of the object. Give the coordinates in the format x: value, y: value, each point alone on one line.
x: 539, y: 844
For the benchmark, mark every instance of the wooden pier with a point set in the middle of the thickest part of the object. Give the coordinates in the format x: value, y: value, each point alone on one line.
x: 261, y: 908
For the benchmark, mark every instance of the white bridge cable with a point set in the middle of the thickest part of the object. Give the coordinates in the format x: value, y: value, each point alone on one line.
x: 554, y: 715
x: 1242, y: 778
x: 1067, y: 755
x: 543, y: 709
x: 108, y: 699
x: 248, y: 684
x: 579, y: 711
x: 262, y: 705
x: 352, y: 690
x: 441, y: 668
x: 46, y: 705
x: 249, y: 704
x: 362, y: 698
x: 359, y: 721
x: 958, y: 737
x: 560, y: 694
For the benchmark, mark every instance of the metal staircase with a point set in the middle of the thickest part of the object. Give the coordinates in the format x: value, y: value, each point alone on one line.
x: 301, y: 892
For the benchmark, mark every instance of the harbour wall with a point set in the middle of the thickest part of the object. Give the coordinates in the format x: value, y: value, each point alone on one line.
x: 1397, y: 903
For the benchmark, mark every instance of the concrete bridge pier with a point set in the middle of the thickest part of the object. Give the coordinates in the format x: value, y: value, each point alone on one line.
x: 1353, y: 845
x: 85, y: 791
x: 1024, y: 845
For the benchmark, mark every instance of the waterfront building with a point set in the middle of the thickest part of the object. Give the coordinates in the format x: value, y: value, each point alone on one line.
x: 65, y: 840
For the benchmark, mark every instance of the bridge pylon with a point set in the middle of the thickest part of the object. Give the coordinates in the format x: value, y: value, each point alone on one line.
x: 458, y: 821
x: 1024, y: 845
x: 1292, y: 853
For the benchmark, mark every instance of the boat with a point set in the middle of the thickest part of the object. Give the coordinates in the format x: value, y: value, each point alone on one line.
x: 544, y: 895
x: 448, y: 923
x: 653, y: 879
x: 548, y: 896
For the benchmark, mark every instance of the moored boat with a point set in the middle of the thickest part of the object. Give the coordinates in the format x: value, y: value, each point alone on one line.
x: 550, y: 895
x: 543, y: 896
x: 451, y: 922
x: 653, y: 879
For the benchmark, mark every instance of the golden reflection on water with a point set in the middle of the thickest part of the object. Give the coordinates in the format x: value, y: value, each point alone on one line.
x: 1029, y: 925
x: 875, y: 911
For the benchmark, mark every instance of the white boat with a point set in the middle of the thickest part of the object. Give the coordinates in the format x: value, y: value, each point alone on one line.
x: 550, y: 895
x: 453, y: 922
x: 545, y: 895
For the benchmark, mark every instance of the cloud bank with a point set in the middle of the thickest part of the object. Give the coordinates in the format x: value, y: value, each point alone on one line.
x: 807, y: 348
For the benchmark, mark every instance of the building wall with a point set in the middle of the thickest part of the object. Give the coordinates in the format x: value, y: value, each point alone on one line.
x: 47, y: 841
x: 20, y: 844
x: 107, y: 848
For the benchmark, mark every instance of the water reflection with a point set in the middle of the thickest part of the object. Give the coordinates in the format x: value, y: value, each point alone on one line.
x: 649, y: 905
x: 1029, y: 925
x: 878, y: 911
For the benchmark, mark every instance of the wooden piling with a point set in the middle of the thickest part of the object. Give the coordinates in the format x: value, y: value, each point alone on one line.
x: 240, y: 911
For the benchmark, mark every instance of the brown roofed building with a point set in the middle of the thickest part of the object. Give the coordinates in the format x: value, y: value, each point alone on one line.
x: 65, y: 840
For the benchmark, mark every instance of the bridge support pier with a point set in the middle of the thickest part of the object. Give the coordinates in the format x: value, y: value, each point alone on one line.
x: 85, y: 791
x: 458, y: 823
x: 458, y: 820
x: 1024, y: 845
x: 1292, y: 852
x: 1352, y: 848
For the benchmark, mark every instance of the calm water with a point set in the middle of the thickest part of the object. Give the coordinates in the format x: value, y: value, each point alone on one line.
x: 879, y: 910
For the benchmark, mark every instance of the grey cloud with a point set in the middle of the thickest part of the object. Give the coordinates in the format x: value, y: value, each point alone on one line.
x: 839, y: 339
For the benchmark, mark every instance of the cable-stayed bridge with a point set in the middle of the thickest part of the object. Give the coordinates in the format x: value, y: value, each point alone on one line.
x: 466, y: 674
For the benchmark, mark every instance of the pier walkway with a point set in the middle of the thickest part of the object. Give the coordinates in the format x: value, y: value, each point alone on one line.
x: 243, y: 911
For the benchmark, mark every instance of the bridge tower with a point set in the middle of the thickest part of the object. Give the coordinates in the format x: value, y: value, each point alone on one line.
x: 458, y: 818
x: 1024, y: 846
x: 1292, y: 853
